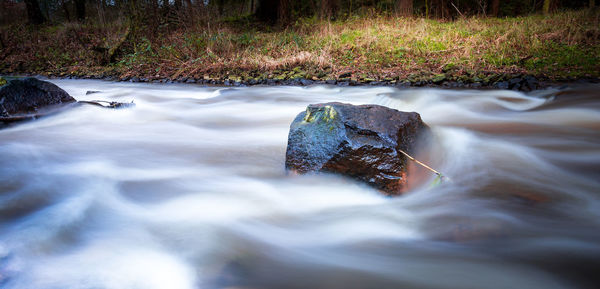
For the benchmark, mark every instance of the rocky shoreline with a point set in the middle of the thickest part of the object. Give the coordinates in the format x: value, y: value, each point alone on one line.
x: 515, y: 82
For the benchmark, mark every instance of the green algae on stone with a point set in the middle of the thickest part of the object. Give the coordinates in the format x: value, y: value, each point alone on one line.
x: 326, y: 113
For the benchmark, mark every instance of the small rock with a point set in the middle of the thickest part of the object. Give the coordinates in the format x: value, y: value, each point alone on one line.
x: 502, y: 85
x: 531, y: 82
x: 306, y: 82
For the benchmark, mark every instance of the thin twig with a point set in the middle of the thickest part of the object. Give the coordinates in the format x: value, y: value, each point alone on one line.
x: 461, y: 15
x: 422, y: 164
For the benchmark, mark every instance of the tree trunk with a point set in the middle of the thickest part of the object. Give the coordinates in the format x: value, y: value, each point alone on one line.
x: 547, y: 7
x: 328, y: 8
x: 592, y: 3
x: 495, y: 7
x: 34, y: 14
x: 80, y: 9
x: 221, y: 6
x: 273, y: 11
x: 404, y: 7
x: 63, y: 4
x: 283, y: 13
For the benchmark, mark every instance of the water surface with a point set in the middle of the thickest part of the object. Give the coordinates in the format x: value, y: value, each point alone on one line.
x: 188, y: 190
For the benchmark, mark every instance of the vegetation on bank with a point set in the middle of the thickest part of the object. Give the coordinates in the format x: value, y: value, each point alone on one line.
x: 560, y: 46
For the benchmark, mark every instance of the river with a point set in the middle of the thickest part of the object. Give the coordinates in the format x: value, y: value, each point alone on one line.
x: 188, y: 190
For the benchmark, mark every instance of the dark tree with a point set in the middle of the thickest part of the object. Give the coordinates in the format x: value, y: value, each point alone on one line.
x: 80, y: 9
x: 547, y: 6
x: 404, y: 7
x: 34, y: 14
x: 267, y: 10
x: 495, y: 9
x: 221, y: 6
x: 328, y: 8
x: 273, y: 11
x: 63, y: 5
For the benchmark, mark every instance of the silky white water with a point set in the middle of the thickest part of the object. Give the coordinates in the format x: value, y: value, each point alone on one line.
x: 188, y: 190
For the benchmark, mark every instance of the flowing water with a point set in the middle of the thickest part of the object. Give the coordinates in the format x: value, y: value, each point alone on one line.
x: 188, y: 190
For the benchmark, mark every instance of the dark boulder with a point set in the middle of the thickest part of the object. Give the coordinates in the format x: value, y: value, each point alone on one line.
x: 29, y: 98
x: 362, y: 142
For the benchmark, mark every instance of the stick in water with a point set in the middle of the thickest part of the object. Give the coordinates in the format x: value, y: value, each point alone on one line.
x: 424, y: 165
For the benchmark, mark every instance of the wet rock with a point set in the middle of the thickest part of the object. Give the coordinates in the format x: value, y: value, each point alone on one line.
x: 29, y: 98
x: 91, y: 92
x: 476, y: 85
x: 294, y: 81
x: 531, y: 83
x: 362, y: 142
x: 502, y: 85
x: 515, y: 83
x: 306, y: 82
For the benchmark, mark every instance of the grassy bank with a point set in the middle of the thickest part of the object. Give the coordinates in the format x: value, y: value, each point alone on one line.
x: 561, y: 46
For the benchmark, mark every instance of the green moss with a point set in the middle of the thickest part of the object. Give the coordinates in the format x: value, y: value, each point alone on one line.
x: 2, y: 81
x: 326, y: 114
x: 439, y: 78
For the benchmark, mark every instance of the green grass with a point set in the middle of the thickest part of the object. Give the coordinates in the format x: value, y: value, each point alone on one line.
x: 566, y: 44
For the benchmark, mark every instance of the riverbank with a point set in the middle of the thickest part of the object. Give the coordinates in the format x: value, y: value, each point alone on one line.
x: 515, y: 82
x: 520, y: 53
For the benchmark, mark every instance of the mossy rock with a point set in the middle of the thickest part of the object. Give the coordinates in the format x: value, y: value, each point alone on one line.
x: 362, y: 142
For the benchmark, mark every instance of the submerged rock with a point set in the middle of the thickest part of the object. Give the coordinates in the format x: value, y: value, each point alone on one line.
x: 29, y: 98
x: 362, y: 142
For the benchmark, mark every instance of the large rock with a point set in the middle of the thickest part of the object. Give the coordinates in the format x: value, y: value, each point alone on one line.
x: 362, y: 142
x: 30, y: 97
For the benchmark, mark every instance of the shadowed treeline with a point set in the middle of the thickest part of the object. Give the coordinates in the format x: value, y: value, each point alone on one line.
x: 159, y: 12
